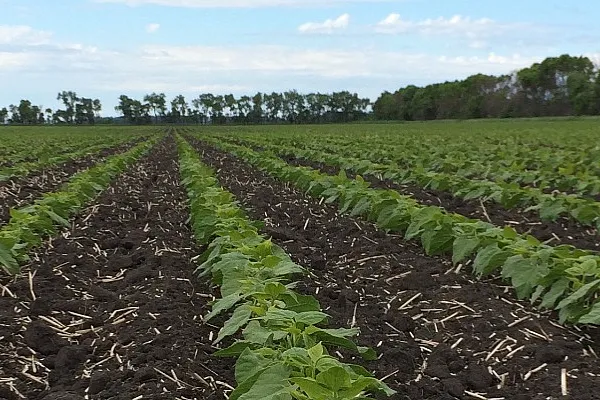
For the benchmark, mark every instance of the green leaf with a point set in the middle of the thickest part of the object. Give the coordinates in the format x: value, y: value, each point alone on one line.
x: 316, y: 352
x: 232, y: 282
x: 268, y: 384
x: 420, y: 219
x: 339, y: 337
x: 592, y: 317
x: 275, y: 289
x: 361, y: 207
x: 223, y: 304
x: 570, y: 313
x: 271, y: 385
x: 256, y: 333
x: 335, y: 378
x: 557, y: 290
x: 550, y: 211
x: 8, y: 262
x: 57, y: 218
x: 476, y: 193
x: 367, y: 353
x: 247, y: 364
x: 301, y: 303
x: 296, y: 357
x: 579, y: 294
x: 392, y: 218
x: 287, y: 267
x: 463, y: 247
x: 240, y: 317
x: 313, y: 389
x: 586, y: 213
x: 510, y: 233
x: 234, y: 350
x: 524, y: 273
x: 488, y: 259
x: 437, y: 241
x: 326, y: 362
x: 586, y: 268
x: 310, y: 317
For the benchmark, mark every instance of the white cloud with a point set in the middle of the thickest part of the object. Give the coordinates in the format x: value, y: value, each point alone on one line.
x: 9, y: 61
x: 237, y: 3
x: 151, y: 28
x: 594, y: 57
x: 194, y: 66
x: 47, y: 66
x: 327, y: 26
x: 23, y: 35
x: 478, y: 44
x: 465, y: 27
x: 265, y: 59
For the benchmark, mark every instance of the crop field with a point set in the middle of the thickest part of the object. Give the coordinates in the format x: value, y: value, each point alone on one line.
x: 440, y: 260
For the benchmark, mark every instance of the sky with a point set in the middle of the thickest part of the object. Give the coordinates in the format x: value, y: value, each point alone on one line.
x: 105, y: 48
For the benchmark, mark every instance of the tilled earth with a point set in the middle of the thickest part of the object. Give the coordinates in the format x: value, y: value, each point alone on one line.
x: 23, y: 190
x: 111, y: 309
x: 440, y: 334
x: 562, y: 231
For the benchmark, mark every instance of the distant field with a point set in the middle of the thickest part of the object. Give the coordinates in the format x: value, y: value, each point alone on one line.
x: 465, y: 256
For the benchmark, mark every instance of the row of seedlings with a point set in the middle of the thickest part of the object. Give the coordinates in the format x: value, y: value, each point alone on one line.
x: 47, y: 158
x: 284, y: 349
x: 30, y: 225
x: 561, y: 278
x: 549, y: 206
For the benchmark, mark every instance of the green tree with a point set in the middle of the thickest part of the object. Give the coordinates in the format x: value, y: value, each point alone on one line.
x: 157, y: 103
x: 48, y: 112
x: 179, y: 108
x: 3, y: 115
x: 244, y: 107
x: 69, y: 99
x: 257, y: 113
x: 25, y: 113
x: 133, y: 111
x: 231, y: 105
x: 582, y: 94
x: 204, y: 104
x: 218, y: 108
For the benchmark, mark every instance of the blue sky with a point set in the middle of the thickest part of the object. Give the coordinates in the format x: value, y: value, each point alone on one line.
x: 104, y: 48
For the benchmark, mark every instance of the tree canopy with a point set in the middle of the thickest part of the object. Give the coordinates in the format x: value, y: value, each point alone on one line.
x: 557, y: 86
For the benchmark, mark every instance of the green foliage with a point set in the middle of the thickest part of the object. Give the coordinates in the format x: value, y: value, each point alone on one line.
x: 549, y: 206
x: 557, y: 86
x: 28, y: 149
x: 29, y: 225
x: 283, y: 345
x: 546, y: 274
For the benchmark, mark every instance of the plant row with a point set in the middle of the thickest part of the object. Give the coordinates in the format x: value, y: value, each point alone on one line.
x: 549, y: 207
x: 282, y: 344
x: 48, y: 156
x: 495, y: 155
x: 520, y: 164
x: 560, y: 278
x: 30, y: 225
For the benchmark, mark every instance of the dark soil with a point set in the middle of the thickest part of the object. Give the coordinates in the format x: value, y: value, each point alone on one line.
x: 563, y: 231
x: 23, y: 190
x: 117, y: 313
x: 440, y: 334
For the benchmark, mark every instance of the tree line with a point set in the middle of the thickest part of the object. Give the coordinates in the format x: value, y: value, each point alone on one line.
x: 155, y: 108
x: 77, y: 110
x: 286, y: 107
x: 558, y: 86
